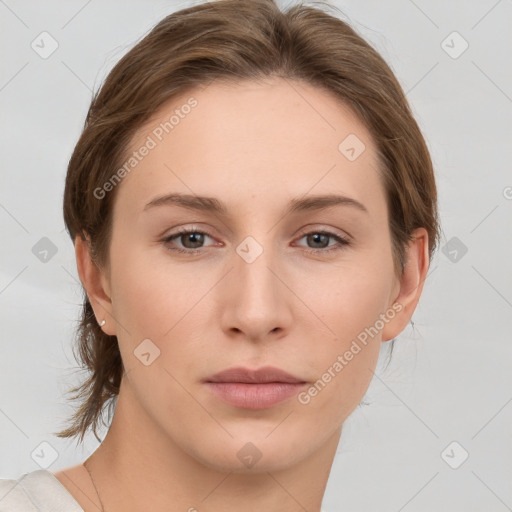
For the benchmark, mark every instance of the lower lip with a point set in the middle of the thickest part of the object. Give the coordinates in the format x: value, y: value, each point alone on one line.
x: 254, y: 396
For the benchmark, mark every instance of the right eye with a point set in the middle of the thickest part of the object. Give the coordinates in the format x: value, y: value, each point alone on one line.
x: 186, y: 236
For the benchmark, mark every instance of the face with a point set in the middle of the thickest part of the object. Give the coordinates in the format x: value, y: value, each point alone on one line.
x: 275, y: 276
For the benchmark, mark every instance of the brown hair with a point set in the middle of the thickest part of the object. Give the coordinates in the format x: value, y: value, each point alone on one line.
x: 234, y: 40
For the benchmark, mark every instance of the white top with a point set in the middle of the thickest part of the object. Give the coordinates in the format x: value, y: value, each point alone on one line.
x: 37, y: 491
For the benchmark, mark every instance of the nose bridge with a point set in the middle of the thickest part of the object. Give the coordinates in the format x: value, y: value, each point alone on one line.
x: 256, y: 299
x: 252, y: 272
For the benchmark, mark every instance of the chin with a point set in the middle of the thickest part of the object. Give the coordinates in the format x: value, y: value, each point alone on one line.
x: 252, y: 454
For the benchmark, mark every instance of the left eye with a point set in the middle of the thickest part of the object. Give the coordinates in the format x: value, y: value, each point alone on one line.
x: 323, y: 236
x: 192, y: 241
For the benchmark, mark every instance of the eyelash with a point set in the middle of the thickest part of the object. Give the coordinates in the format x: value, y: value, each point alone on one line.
x: 342, y: 242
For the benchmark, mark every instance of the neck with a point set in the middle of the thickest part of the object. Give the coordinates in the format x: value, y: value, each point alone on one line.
x: 135, y: 471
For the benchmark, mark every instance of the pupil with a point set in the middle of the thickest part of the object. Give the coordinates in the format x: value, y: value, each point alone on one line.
x: 317, y: 235
x: 190, y: 237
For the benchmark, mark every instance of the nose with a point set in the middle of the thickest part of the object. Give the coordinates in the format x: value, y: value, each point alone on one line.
x: 256, y: 301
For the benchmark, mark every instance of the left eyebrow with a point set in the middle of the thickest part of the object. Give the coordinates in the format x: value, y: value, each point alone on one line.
x: 212, y: 204
x: 319, y: 202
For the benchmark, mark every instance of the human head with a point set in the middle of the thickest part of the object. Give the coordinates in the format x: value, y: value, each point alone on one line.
x: 233, y: 41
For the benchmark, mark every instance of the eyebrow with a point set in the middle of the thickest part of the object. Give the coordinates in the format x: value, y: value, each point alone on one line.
x: 213, y: 205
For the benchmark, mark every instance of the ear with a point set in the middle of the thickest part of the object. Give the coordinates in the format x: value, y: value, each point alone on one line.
x: 96, y: 284
x: 410, y: 284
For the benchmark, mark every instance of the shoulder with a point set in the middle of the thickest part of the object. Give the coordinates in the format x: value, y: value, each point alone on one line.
x: 36, y: 491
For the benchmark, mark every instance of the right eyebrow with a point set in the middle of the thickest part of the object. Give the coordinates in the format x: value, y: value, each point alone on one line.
x: 201, y: 203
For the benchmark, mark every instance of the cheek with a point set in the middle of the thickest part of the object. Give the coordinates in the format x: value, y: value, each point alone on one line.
x: 151, y: 296
x: 343, y: 367
x: 349, y: 300
x: 350, y: 309
x: 156, y: 301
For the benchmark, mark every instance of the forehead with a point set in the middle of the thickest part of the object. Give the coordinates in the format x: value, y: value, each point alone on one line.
x: 276, y: 137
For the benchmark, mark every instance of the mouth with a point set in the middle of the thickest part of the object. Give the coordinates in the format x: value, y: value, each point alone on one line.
x: 254, y: 389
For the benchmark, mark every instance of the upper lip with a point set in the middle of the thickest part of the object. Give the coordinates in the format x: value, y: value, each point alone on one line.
x: 258, y: 376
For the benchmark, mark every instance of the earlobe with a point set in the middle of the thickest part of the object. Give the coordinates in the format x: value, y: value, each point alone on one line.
x: 411, y: 284
x: 96, y: 285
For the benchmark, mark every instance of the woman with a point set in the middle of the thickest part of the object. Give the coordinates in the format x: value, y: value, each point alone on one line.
x: 254, y: 210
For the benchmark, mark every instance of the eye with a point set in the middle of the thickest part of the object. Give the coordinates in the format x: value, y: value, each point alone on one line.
x: 192, y: 240
x: 321, y: 238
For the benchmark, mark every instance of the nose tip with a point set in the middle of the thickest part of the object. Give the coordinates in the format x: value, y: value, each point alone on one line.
x: 256, y: 305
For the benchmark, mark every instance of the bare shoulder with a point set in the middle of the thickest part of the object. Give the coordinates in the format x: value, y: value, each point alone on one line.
x: 77, y: 482
x: 72, y: 474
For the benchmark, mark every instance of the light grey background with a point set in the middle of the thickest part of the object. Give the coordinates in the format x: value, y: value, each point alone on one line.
x: 450, y: 378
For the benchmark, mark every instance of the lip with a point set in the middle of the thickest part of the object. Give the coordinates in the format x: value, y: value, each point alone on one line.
x: 254, y: 389
x: 259, y: 376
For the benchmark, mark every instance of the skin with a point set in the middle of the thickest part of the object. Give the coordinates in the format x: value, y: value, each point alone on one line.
x: 254, y: 146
